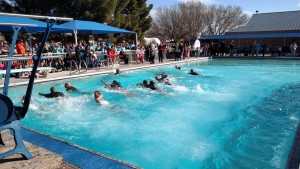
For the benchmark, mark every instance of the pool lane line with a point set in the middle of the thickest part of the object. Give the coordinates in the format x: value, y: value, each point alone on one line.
x: 73, y: 154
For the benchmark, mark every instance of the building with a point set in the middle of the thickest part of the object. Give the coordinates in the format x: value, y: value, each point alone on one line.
x: 276, y: 29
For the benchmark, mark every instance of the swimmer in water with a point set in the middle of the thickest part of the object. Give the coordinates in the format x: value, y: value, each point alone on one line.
x: 98, y: 96
x: 53, y: 93
x: 192, y: 72
x: 163, y: 78
x: 152, y: 85
x: 177, y: 67
x: 118, y: 72
x: 115, y: 85
x: 144, y: 84
x: 68, y: 87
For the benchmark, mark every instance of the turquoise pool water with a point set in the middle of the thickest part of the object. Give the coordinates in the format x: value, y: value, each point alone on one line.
x: 243, y: 114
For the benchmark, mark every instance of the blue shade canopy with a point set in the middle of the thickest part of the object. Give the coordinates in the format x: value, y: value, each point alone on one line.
x: 39, y: 25
x: 88, y: 27
x: 237, y: 36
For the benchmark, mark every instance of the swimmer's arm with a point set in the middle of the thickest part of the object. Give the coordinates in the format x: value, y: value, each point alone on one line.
x: 106, y: 84
x: 45, y: 95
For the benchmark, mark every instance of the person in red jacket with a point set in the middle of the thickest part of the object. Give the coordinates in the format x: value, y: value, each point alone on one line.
x: 20, y: 48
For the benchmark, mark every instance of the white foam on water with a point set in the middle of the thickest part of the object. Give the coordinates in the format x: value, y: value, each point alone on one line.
x: 199, y: 89
x: 180, y: 88
x: 33, y: 106
x: 201, y: 151
x: 294, y: 118
x: 104, y: 103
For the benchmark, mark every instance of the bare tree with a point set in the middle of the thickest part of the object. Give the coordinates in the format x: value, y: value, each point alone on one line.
x: 220, y: 19
x: 180, y: 21
x: 187, y: 20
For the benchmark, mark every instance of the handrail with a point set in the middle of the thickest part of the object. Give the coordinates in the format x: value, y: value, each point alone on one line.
x: 78, y: 67
x: 86, y: 68
x: 71, y: 66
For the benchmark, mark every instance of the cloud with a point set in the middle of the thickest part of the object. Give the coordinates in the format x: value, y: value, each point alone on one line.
x: 207, y: 2
x: 248, y: 13
x: 298, y: 4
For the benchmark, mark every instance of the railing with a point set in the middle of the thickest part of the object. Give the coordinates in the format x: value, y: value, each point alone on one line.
x: 78, y: 68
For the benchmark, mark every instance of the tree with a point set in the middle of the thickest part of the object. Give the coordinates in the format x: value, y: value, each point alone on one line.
x: 187, y: 20
x: 127, y: 14
x: 179, y: 21
x: 220, y: 19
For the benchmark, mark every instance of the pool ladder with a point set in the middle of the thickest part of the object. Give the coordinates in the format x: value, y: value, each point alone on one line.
x: 78, y: 68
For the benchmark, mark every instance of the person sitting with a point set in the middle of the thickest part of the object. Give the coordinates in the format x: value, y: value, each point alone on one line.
x: 144, y: 84
x: 57, y: 66
x: 163, y: 78
x: 98, y: 96
x: 70, y: 88
x: 111, y: 55
x: 53, y: 93
x: 124, y: 56
x: 114, y: 85
x: 192, y: 72
x: 177, y: 67
x: 140, y: 59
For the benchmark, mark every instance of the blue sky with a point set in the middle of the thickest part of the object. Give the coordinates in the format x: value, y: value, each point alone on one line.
x: 249, y: 6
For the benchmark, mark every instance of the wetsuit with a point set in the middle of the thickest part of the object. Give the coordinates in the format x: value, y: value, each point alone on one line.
x: 72, y: 88
x: 193, y: 73
x: 52, y: 95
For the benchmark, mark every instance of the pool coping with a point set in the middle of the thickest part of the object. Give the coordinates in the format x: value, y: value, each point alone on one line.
x: 68, y: 151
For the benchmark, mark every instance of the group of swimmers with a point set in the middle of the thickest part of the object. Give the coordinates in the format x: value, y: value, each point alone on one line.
x: 115, y: 85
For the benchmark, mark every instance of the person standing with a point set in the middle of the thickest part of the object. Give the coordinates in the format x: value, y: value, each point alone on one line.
x: 257, y: 48
x: 160, y: 53
x: 293, y: 48
x: 231, y: 48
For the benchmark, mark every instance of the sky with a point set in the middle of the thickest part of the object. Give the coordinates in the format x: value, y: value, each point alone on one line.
x: 249, y: 6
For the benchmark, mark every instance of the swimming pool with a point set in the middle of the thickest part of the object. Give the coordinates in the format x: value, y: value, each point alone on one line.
x: 242, y: 114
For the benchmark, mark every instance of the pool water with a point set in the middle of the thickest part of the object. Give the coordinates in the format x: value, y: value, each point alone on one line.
x: 241, y: 114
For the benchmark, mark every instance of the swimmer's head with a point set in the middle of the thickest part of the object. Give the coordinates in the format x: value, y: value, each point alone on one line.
x: 151, y: 82
x: 52, y: 89
x: 145, y: 82
x: 67, y: 84
x: 165, y: 76
x: 96, y: 93
x: 192, y: 70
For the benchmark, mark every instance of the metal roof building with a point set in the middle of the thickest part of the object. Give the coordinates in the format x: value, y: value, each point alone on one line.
x: 276, y: 22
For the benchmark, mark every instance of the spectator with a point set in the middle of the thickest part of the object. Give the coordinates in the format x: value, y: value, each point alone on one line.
x: 293, y: 48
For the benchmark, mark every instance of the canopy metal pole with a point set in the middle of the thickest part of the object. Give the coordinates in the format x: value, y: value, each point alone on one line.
x: 136, y: 39
x: 75, y: 34
x: 30, y: 42
x: 11, y: 53
x: 36, y: 61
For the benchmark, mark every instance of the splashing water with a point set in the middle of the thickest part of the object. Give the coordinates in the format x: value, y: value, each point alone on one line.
x: 244, y: 115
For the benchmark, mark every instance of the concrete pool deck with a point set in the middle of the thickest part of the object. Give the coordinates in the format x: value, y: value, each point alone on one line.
x: 49, y: 152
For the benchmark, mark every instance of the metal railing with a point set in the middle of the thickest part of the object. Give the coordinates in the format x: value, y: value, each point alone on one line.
x: 78, y: 67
